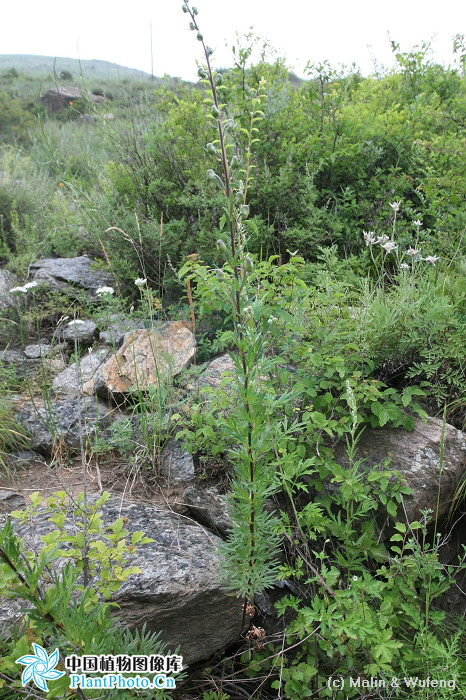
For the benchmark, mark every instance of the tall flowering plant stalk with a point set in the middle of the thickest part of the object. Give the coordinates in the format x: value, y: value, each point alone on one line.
x: 252, y: 545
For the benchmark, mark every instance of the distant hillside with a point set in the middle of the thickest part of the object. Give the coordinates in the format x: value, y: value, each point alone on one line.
x: 102, y: 70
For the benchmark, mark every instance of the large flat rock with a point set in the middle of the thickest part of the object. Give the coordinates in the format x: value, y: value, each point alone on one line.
x: 67, y: 274
x: 178, y: 591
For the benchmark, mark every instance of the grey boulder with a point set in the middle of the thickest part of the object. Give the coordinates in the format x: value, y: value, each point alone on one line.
x: 66, y: 384
x: 68, y: 274
x: 178, y: 592
x: 416, y: 455
x: 59, y: 422
x: 80, y: 332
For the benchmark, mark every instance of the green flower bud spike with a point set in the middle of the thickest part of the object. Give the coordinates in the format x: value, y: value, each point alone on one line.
x: 218, y: 79
x: 215, y: 111
x: 215, y: 178
x: 221, y: 247
x: 219, y: 274
x: 184, y: 8
x: 248, y: 265
x: 195, y: 11
x: 244, y: 210
x: 201, y: 73
x: 210, y: 148
x: 199, y: 36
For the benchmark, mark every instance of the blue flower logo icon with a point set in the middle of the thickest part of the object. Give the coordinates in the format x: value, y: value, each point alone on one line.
x: 40, y: 667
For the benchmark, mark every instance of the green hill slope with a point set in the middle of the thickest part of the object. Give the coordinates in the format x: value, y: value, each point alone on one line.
x: 89, y: 69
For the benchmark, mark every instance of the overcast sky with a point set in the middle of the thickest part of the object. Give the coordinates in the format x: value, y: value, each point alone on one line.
x: 340, y: 31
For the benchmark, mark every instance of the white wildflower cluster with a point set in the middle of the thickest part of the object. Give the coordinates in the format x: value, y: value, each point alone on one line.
x: 24, y: 289
x: 390, y: 246
x: 77, y: 322
x: 140, y: 282
x: 104, y: 291
x: 369, y: 237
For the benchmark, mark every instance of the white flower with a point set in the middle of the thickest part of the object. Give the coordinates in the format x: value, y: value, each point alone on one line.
x: 412, y: 252
x: 369, y: 237
x: 355, y: 578
x: 25, y: 288
x: 102, y: 291
x: 389, y: 246
x: 404, y: 266
x: 417, y: 223
x: 382, y: 239
x: 395, y: 206
x: 431, y: 259
x: 140, y: 282
x: 77, y: 322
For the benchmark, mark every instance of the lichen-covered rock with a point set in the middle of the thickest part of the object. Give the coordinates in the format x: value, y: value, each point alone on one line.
x: 178, y: 591
x: 46, y: 426
x: 176, y: 465
x: 68, y: 274
x: 115, y: 329
x: 10, y: 500
x: 145, y: 358
x: 65, y: 384
x: 416, y: 455
x: 82, y: 332
x: 36, y: 351
x: 209, y: 508
x: 35, y: 363
x: 218, y: 369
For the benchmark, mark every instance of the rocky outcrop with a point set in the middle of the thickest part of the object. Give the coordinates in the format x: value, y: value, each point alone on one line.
x: 47, y: 426
x: 178, y: 591
x: 59, y: 97
x: 70, y: 274
x: 145, y: 358
x: 416, y: 455
x: 36, y: 359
